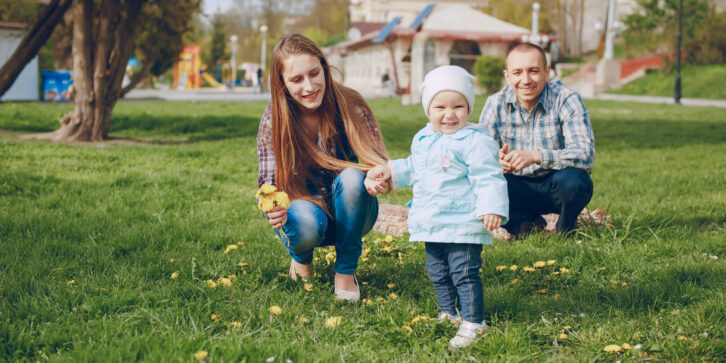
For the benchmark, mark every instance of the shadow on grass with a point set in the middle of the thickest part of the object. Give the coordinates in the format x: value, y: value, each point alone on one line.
x: 187, y: 127
x: 619, y: 134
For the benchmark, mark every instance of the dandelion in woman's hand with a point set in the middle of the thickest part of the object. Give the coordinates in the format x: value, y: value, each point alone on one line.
x: 268, y: 198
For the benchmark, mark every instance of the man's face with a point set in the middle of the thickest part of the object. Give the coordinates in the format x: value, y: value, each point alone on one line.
x: 526, y: 73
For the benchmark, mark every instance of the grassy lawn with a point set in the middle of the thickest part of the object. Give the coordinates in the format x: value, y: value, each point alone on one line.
x: 704, y: 81
x: 106, y: 250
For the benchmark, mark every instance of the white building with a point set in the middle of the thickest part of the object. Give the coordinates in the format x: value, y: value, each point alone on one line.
x: 25, y: 87
x: 410, y: 46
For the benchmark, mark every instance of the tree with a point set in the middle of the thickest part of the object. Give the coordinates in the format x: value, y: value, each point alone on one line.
x: 218, y: 44
x: 32, y: 42
x: 163, y: 24
x: 103, y: 38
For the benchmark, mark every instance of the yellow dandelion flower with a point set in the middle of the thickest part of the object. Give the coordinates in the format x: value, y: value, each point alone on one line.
x: 514, y: 282
x: 366, y: 302
x: 211, y: 283
x: 381, y: 300
x: 265, y: 189
x: 388, y: 238
x: 200, y: 355
x: 387, y: 249
x: 214, y: 317
x: 230, y: 248
x: 626, y: 346
x: 407, y: 328
x: 564, y: 270
x: 567, y: 328
x: 393, y: 296
x: 363, y: 239
x: 282, y: 200
x: 513, y: 268
x: 366, y: 251
x: 317, y: 275
x: 615, y: 282
x: 551, y: 262
x: 501, y: 268
x: 602, y: 268
x: 556, y: 273
x: 172, y: 260
x: 682, y: 338
x: 266, y: 204
x: 556, y: 297
x: 274, y: 309
x: 174, y: 275
x: 613, y: 349
x: 364, y: 259
x: 391, y: 285
x: 70, y: 282
x: 224, y: 281
x: 232, y: 277
x: 303, y: 320
x: 364, y: 283
x: 308, y: 287
x: 542, y: 291
x: 240, y: 244
x: 332, y: 321
x: 539, y: 264
x: 235, y: 324
x: 562, y: 336
x: 528, y: 269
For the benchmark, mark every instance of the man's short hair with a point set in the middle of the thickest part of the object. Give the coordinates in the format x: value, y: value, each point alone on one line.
x: 523, y: 47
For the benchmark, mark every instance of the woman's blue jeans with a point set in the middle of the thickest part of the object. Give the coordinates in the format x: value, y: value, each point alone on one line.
x: 454, y: 270
x: 354, y: 212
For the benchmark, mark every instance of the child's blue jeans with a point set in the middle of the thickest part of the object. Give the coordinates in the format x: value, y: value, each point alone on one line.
x: 454, y: 270
x: 354, y: 213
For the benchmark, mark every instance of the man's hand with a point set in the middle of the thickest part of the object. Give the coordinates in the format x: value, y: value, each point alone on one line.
x: 378, y: 180
x: 277, y: 217
x: 516, y: 160
x: 491, y: 221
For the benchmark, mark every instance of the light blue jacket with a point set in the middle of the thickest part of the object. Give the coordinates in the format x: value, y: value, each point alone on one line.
x: 456, y: 178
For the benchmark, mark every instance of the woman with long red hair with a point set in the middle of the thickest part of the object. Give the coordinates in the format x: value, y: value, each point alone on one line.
x: 315, y: 142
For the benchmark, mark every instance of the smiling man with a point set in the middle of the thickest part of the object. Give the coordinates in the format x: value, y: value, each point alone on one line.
x: 547, y: 147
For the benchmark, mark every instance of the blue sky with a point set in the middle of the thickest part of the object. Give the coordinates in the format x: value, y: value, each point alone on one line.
x: 209, y: 7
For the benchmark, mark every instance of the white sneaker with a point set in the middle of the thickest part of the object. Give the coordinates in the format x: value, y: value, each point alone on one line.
x: 455, y: 320
x: 468, y: 334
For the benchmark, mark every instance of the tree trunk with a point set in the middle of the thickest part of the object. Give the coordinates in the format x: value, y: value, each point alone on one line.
x: 145, y: 69
x: 98, y: 67
x: 32, y: 42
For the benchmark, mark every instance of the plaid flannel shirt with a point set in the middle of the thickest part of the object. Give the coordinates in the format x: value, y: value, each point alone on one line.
x: 559, y: 126
x: 266, y: 156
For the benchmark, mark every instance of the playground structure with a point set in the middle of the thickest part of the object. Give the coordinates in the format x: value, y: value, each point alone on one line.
x: 190, y: 73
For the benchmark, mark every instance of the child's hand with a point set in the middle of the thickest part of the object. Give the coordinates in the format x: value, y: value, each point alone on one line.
x: 491, y: 221
x: 377, y: 180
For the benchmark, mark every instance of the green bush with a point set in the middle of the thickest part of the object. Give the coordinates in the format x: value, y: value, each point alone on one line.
x: 488, y: 71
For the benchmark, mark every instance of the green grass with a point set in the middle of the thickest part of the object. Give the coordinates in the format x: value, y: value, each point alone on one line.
x: 705, y: 81
x: 110, y: 219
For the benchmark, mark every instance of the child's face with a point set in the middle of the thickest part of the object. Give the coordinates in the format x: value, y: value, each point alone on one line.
x: 448, y: 112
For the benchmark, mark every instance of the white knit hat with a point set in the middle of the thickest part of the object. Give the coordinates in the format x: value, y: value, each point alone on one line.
x: 447, y: 78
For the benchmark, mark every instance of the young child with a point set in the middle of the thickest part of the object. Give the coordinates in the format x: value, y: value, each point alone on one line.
x: 458, y: 184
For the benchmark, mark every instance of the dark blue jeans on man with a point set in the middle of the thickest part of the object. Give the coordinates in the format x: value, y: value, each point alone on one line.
x: 565, y: 192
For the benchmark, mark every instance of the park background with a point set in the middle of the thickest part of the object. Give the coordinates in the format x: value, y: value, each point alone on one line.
x: 123, y: 249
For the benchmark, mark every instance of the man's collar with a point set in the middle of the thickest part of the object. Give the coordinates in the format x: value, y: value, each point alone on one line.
x: 511, y: 99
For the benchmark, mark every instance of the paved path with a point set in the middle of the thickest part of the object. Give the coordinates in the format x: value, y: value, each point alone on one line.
x: 668, y: 100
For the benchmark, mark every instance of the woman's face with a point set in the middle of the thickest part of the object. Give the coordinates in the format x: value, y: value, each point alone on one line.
x: 305, y: 80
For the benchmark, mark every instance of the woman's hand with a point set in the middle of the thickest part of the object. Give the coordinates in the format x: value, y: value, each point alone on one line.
x: 491, y: 221
x: 277, y: 217
x: 378, y: 180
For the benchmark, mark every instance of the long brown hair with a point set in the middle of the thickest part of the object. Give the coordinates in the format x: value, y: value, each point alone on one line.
x: 295, y: 151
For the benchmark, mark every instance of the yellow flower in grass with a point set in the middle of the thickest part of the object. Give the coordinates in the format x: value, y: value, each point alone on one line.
x: 211, y: 283
x: 332, y: 322
x: 682, y: 338
x: 308, y: 287
x: 542, y: 291
x: 407, y: 328
x: 528, y: 269
x: 501, y: 268
x: 232, y: 277
x: 174, y: 275
x: 391, y: 285
x: 624, y: 284
x: 556, y: 297
x: 274, y: 309
x: 562, y: 336
x: 567, y: 328
x: 564, y: 270
x: 388, y: 238
x: 626, y: 346
x: 366, y: 302
x: 240, y: 244
x: 230, y: 248
x: 613, y: 349
x: 387, y: 249
x: 551, y: 262
x: 539, y: 264
x: 381, y: 300
x: 224, y: 281
x: 303, y: 320
x: 393, y: 296
x: 513, y: 268
x: 200, y: 355
x: 171, y: 260
x: 70, y: 282
x: 235, y: 324
x: 214, y: 317
x: 514, y: 282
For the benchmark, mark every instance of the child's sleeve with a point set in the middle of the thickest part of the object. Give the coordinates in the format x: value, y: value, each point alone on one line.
x: 401, y: 172
x: 487, y: 178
